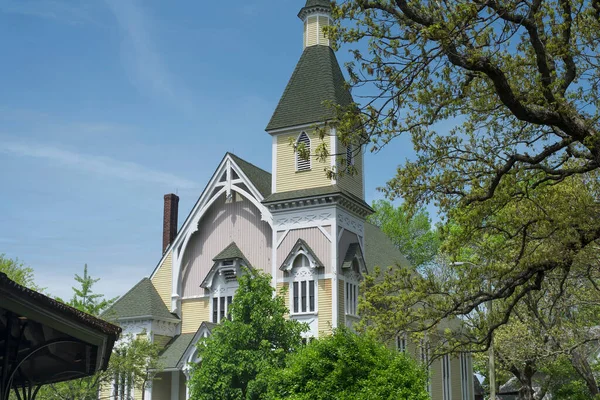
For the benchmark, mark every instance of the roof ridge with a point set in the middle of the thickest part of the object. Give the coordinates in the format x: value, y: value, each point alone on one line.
x: 126, y: 293
x: 248, y: 162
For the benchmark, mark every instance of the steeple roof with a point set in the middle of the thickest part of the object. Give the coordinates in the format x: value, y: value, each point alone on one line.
x: 318, y: 3
x: 311, y: 4
x: 317, y: 79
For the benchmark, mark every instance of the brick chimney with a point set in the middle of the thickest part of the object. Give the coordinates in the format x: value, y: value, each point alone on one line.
x: 170, y: 219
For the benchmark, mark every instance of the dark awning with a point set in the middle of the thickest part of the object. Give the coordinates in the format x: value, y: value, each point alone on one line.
x: 44, y: 341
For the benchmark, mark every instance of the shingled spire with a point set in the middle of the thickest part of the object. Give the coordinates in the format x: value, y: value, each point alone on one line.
x: 317, y: 79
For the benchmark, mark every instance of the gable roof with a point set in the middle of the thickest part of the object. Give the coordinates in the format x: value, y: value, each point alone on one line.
x: 172, y: 355
x: 379, y: 249
x: 300, y: 244
x: 316, y: 79
x: 142, y: 300
x: 230, y: 252
x: 260, y: 178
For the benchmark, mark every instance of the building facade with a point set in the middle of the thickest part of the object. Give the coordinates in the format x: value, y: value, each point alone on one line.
x: 304, y: 228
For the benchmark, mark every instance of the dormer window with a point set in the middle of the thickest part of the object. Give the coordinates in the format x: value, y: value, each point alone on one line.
x: 303, y: 152
x: 302, y: 266
x: 221, y: 281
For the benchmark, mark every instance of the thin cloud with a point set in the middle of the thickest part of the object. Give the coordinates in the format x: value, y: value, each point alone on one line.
x: 74, y: 13
x: 146, y: 66
x: 99, y: 165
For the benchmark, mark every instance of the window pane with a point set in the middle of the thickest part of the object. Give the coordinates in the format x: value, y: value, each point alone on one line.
x: 222, y: 310
x: 311, y: 295
x: 295, y: 294
x: 215, y: 309
x: 229, y: 300
x: 303, y: 286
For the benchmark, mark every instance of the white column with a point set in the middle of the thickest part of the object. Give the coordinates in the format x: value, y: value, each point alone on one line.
x: 175, y: 385
x: 148, y: 391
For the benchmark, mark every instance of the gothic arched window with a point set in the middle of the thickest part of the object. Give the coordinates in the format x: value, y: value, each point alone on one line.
x: 303, y: 152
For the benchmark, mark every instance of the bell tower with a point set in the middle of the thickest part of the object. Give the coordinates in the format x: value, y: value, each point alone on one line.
x: 318, y: 219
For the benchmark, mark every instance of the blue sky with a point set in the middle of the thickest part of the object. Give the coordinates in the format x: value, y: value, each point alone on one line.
x: 106, y: 105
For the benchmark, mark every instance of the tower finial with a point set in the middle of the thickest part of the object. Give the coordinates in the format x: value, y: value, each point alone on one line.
x: 316, y: 14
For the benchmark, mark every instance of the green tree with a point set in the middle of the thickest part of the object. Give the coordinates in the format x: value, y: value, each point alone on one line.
x: 257, y: 337
x: 347, y: 366
x: 18, y: 272
x: 411, y: 234
x: 516, y: 83
x: 132, y: 362
x: 85, y: 299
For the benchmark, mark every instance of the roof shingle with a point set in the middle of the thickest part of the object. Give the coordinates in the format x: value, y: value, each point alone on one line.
x: 141, y: 301
x: 317, y: 79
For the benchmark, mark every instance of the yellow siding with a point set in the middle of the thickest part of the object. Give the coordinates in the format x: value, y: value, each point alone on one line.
x: 287, y: 176
x: 138, y: 393
x: 286, y: 295
x: 325, y: 317
x: 341, y: 303
x: 161, y: 340
x: 311, y: 31
x: 161, y: 386
x: 436, y: 380
x: 104, y: 391
x: 163, y: 279
x: 352, y: 183
x: 455, y: 378
x: 193, y: 313
x: 323, y: 40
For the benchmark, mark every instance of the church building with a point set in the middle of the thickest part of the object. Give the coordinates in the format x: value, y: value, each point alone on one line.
x: 305, y: 229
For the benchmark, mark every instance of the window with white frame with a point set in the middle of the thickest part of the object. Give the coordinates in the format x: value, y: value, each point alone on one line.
x: 303, y: 157
x: 351, y: 298
x: 351, y: 293
x: 303, y: 286
x: 220, y: 308
x: 465, y: 376
x: 401, y: 342
x: 223, y: 291
x: 446, y: 382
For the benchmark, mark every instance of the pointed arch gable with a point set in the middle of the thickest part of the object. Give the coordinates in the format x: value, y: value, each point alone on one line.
x: 236, y: 180
x: 301, y: 247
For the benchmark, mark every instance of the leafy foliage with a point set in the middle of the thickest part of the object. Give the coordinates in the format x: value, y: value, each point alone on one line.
x: 85, y: 299
x: 257, y: 337
x: 411, y: 234
x: 515, y: 176
x: 131, y: 361
x: 18, y: 272
x: 347, y: 366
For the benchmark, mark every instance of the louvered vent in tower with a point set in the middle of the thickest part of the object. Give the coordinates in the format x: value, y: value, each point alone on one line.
x: 303, y: 152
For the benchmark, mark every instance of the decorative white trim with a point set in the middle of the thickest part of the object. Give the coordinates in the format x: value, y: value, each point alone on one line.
x: 206, y: 200
x: 321, y: 216
x: 334, y: 269
x: 289, y: 129
x: 280, y: 240
x: 351, y: 223
x: 333, y: 143
x: 325, y: 233
x: 274, y: 165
